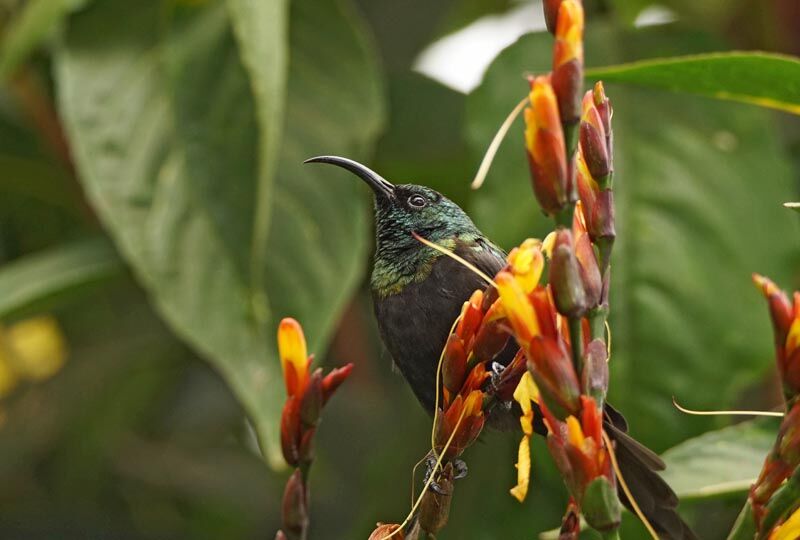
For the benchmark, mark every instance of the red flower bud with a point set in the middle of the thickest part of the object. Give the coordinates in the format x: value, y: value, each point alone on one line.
x: 311, y: 403
x: 551, y: 367
x: 294, y: 509
x: 290, y: 431
x: 567, y: 78
x: 551, y: 14
x: 454, y: 364
x: 593, y: 141
x: 594, y: 378
x: 603, y: 105
x: 383, y: 530
x: 569, y: 290
x: 544, y: 140
x: 589, y: 271
x: 333, y: 379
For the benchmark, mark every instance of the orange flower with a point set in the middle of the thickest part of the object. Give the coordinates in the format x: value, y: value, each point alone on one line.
x: 567, y: 76
x: 294, y: 356
x: 569, y: 34
x: 544, y: 140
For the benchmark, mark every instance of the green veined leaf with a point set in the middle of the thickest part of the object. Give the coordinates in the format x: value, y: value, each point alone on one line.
x: 721, y: 462
x: 764, y: 79
x: 165, y: 128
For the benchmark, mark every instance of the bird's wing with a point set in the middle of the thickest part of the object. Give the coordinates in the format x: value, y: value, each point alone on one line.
x: 489, y: 258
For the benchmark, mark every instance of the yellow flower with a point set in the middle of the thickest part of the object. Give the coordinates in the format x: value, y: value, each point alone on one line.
x: 789, y: 529
x: 294, y: 356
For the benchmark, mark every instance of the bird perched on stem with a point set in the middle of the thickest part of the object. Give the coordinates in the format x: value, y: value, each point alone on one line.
x: 418, y: 292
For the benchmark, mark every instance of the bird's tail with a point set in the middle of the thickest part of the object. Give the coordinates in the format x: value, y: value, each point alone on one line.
x: 639, y: 465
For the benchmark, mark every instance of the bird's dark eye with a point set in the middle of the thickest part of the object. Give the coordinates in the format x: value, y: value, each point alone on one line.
x: 417, y: 201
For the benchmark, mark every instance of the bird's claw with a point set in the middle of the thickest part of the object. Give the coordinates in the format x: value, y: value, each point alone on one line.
x: 496, y: 369
x: 460, y: 470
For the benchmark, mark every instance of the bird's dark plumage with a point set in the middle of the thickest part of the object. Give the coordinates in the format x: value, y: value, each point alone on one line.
x: 418, y: 293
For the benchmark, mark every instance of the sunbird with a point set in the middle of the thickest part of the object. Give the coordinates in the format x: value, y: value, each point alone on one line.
x: 418, y: 292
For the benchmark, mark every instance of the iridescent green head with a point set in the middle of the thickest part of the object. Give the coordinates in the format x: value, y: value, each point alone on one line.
x: 401, y: 210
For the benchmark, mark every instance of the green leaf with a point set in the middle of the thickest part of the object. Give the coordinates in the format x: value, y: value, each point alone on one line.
x: 166, y: 132
x: 721, y: 462
x: 691, y: 227
x: 34, y: 281
x: 261, y: 29
x: 35, y: 23
x: 764, y: 79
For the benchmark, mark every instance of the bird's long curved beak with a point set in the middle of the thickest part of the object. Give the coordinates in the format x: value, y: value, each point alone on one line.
x: 381, y: 186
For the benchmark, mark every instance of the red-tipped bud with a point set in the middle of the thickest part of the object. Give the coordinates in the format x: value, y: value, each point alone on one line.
x: 594, y: 379
x: 434, y: 509
x: 463, y: 420
x: 786, y: 325
x: 589, y: 270
x: 569, y: 290
x: 593, y: 141
x: 603, y: 105
x: 311, y: 404
x: 551, y: 367
x: 454, y: 364
x: 294, y: 509
x: 567, y: 78
x: 306, y: 450
x: 471, y: 315
x: 291, y: 431
x: 490, y: 340
x: 384, y: 530
x: 333, y: 380
x: 544, y: 140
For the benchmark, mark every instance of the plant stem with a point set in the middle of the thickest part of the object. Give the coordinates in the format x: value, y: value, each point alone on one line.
x: 611, y: 535
x: 745, y: 527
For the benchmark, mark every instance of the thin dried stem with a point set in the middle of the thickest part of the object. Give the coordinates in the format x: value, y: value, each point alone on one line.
x: 455, y: 257
x: 724, y: 412
x: 625, y: 488
x: 430, y: 479
x: 494, y: 146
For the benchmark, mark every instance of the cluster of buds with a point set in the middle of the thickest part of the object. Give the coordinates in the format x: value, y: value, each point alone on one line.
x: 595, y: 172
x: 783, y: 462
x: 565, y: 394
x: 307, y: 393
x: 555, y: 108
x: 478, y: 338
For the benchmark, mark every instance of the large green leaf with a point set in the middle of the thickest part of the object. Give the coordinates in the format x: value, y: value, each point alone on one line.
x: 698, y: 191
x: 720, y: 462
x: 32, y: 281
x: 165, y: 130
x: 769, y: 80
x: 262, y: 31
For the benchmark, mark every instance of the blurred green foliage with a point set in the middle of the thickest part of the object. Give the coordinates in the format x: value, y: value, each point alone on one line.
x: 147, y: 124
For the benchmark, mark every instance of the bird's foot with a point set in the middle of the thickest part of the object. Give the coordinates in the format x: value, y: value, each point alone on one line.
x: 459, y: 468
x: 496, y: 370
